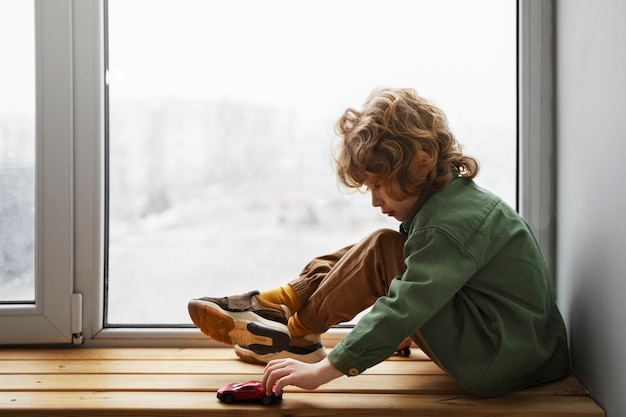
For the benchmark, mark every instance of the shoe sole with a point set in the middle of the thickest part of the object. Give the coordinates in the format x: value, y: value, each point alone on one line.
x: 249, y: 356
x: 239, y: 327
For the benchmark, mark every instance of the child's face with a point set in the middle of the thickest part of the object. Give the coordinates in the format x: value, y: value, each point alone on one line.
x: 399, y: 210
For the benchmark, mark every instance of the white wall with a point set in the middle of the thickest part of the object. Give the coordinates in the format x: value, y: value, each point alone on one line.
x: 591, y: 196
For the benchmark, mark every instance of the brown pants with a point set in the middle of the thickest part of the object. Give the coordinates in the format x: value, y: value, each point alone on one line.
x: 336, y: 287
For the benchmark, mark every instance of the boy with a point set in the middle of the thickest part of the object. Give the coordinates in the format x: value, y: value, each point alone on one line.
x: 464, y: 277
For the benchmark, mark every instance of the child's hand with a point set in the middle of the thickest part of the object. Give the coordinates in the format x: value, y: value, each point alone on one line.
x: 280, y: 373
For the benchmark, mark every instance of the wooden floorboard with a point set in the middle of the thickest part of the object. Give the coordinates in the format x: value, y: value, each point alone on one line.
x: 177, y: 382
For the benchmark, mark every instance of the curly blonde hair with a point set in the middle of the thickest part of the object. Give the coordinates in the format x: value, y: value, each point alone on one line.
x: 381, y: 145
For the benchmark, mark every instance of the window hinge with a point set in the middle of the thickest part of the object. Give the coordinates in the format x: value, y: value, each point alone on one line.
x: 77, y: 319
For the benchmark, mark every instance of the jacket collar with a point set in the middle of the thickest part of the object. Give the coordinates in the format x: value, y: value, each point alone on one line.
x: 405, y: 226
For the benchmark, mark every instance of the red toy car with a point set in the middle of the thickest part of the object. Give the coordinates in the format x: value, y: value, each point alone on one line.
x: 247, y: 391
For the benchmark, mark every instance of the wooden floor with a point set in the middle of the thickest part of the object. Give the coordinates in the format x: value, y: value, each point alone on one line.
x: 183, y: 382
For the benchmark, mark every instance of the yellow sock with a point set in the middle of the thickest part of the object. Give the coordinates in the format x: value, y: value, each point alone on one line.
x: 283, y: 295
x: 296, y: 328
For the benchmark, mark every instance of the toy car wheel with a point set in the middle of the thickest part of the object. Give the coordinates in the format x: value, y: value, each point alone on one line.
x: 266, y: 400
x: 229, y: 398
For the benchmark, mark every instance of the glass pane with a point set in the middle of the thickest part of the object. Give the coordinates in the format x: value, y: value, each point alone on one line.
x: 17, y: 151
x: 221, y: 118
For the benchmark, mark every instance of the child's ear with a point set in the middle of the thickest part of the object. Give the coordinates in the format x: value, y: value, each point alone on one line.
x: 424, y: 158
x: 424, y: 161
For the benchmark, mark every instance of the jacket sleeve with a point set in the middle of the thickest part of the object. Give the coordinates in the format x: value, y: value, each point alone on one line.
x: 437, y: 268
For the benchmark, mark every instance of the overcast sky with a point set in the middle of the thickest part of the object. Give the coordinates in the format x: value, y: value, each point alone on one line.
x: 449, y: 50
x: 328, y: 51
x: 17, y: 62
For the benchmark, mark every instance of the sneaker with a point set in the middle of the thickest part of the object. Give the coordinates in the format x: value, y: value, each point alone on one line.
x: 307, y: 349
x: 243, y: 320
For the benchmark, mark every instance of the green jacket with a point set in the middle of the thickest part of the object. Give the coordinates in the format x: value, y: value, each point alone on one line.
x: 477, y: 288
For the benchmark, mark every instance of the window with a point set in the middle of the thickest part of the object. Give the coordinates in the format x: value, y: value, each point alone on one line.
x: 221, y: 119
x: 36, y: 270
x: 17, y: 152
x: 69, y: 171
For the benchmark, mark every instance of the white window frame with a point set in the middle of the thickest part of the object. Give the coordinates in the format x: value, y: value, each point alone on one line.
x: 536, y: 113
x: 70, y: 190
x: 49, y: 319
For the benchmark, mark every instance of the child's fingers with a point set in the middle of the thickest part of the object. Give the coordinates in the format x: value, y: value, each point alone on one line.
x: 274, y: 372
